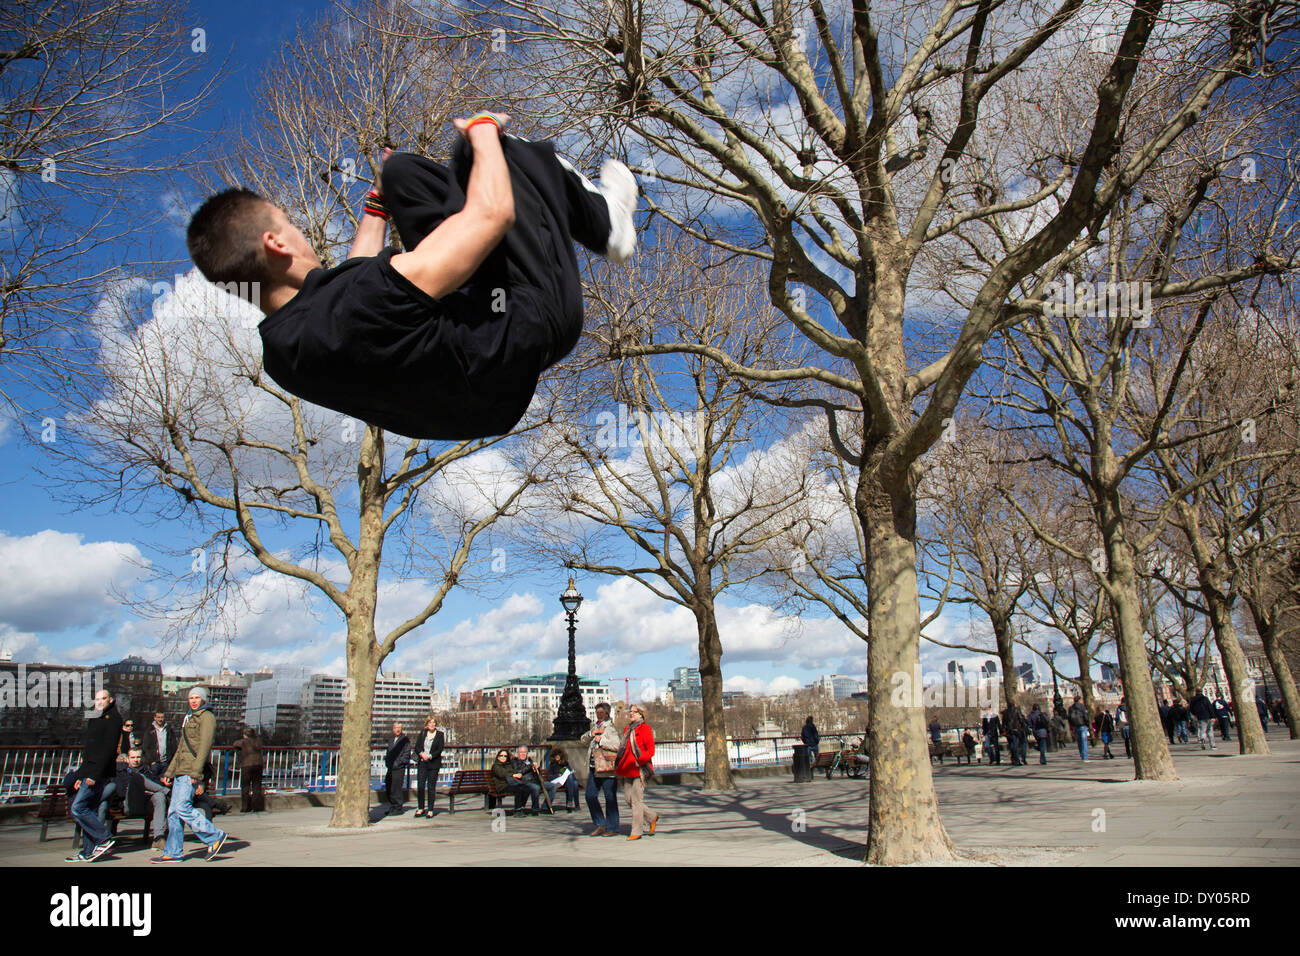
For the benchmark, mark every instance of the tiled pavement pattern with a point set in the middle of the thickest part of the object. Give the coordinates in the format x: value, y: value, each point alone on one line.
x: 1225, y: 810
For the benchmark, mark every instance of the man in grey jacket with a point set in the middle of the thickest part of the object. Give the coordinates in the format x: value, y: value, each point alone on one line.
x: 185, y: 776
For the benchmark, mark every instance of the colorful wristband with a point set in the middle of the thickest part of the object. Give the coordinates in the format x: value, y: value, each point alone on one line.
x: 478, y: 118
x: 375, y: 205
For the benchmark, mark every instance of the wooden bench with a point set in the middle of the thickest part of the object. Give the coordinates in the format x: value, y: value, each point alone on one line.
x: 478, y: 782
x: 54, y: 808
x: 953, y: 749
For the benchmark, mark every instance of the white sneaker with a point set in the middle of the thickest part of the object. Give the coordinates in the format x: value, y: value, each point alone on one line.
x: 618, y: 186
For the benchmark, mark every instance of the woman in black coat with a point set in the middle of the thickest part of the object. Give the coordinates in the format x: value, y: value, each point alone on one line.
x: 428, y: 761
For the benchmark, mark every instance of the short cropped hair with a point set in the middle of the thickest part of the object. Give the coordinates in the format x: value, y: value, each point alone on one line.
x: 225, y: 237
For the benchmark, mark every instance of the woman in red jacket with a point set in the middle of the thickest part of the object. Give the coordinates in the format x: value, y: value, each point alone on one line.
x: 633, y: 766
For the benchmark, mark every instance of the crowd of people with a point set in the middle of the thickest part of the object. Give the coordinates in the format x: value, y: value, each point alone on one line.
x: 615, y: 761
x: 1198, y: 718
x: 162, y: 775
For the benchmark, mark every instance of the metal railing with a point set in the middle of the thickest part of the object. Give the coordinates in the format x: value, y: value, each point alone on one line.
x: 25, y: 772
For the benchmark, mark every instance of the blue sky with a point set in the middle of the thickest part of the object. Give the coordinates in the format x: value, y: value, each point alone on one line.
x: 63, y: 567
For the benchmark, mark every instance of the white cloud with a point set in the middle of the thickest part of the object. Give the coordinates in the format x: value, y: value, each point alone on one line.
x: 54, y: 581
x: 758, y: 687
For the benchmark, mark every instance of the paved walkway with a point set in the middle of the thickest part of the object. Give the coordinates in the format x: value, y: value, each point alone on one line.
x: 1225, y: 809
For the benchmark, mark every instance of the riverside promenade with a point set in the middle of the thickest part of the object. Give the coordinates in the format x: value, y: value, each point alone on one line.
x: 1226, y: 810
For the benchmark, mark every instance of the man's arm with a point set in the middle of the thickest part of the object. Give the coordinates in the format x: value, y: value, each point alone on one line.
x: 373, y: 229
x: 449, y: 255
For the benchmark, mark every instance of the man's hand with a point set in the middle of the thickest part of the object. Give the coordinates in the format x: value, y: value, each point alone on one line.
x: 165, y: 781
x: 198, y: 791
x: 76, y: 784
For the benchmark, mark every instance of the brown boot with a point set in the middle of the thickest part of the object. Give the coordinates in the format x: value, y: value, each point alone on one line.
x: 599, y: 831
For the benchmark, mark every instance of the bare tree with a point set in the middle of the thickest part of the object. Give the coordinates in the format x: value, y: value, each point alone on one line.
x: 272, y: 483
x: 86, y: 91
x: 678, y: 485
x: 870, y: 155
x: 968, y: 526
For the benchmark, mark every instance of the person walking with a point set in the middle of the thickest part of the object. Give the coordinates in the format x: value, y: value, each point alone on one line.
x: 1078, y: 717
x: 1167, y: 720
x: 1017, y: 728
x: 1263, y: 714
x: 1224, y: 714
x: 185, y: 774
x: 251, y: 764
x: 428, y: 762
x: 992, y: 730
x: 1038, y: 726
x: 1105, y: 730
x: 634, y: 765
x: 1121, y: 722
x: 1178, y: 717
x: 602, y: 742
x: 98, y: 768
x: 397, y: 759
x: 1203, y: 711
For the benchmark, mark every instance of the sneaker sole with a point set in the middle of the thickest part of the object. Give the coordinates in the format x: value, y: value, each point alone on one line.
x: 216, y: 847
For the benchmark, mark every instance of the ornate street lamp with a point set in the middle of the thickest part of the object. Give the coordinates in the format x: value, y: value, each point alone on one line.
x: 1050, y: 654
x: 571, y: 721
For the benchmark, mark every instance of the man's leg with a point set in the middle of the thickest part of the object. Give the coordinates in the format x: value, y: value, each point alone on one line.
x: 593, y: 799
x: 85, y: 810
x: 182, y: 792
x: 110, y: 788
x: 610, y: 786
x: 158, y: 803
x: 186, y: 813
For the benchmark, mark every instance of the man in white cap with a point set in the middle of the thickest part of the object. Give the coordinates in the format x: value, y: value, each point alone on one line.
x: 185, y: 775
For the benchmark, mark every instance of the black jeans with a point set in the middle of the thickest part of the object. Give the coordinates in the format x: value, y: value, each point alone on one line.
x: 426, y: 777
x: 554, y: 206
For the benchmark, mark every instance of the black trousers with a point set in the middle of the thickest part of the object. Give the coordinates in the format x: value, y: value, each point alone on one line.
x: 250, y: 789
x: 426, y: 778
x: 394, y: 784
x: 554, y: 206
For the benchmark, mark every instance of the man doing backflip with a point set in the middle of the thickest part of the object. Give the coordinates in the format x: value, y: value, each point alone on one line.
x: 447, y: 339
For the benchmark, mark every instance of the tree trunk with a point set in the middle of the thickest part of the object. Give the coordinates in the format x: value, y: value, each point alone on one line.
x: 903, y: 823
x: 1007, y: 656
x: 352, y: 794
x: 717, y: 765
x: 352, y: 799
x: 1267, y: 628
x: 1086, y: 690
x: 1151, y: 759
x: 1250, y: 733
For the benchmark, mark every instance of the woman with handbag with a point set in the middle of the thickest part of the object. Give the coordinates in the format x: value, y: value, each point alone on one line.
x: 602, y: 751
x: 634, y: 766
